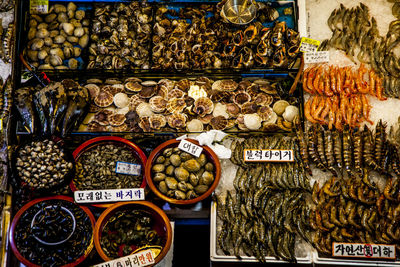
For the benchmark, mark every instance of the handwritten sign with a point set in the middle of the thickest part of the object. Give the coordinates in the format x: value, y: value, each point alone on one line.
x: 190, y: 148
x: 268, y: 155
x: 143, y: 258
x: 39, y: 6
x: 309, y: 45
x: 316, y: 57
x: 109, y: 195
x: 359, y: 250
x: 128, y: 168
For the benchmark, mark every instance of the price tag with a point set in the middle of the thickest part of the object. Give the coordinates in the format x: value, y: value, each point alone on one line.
x: 190, y: 148
x: 39, y: 6
x: 128, y: 168
x: 109, y: 195
x: 359, y: 250
x: 316, y: 57
x: 268, y: 155
x: 142, y: 258
x: 309, y: 45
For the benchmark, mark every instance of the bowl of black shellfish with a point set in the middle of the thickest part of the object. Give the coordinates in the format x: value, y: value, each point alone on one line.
x: 179, y: 177
x: 129, y: 227
x: 52, y: 231
x: 96, y: 165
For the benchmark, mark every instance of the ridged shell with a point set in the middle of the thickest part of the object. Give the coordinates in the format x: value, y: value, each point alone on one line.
x: 220, y: 96
x: 121, y: 100
x: 220, y: 110
x: 249, y: 107
x: 219, y: 123
x: 117, y: 119
x: 121, y: 128
x: 243, y: 85
x: 144, y: 124
x: 196, y: 92
x: 112, y: 81
x: 252, y: 121
x: 149, y: 83
x: 175, y: 93
x: 134, y: 101
x: 102, y: 117
x: 177, y: 120
x: 183, y: 84
x: 232, y: 109
x: 133, y: 79
x: 94, y: 126
x: 112, y: 90
x: 133, y: 87
x: 176, y: 105
x: 265, y: 112
x: 203, y: 106
x: 157, y: 104
x: 225, y: 85
x: 206, y: 119
x: 144, y: 110
x: 148, y: 91
x: 263, y: 99
x: 195, y: 125
x: 169, y: 84
x: 241, y: 98
x: 93, y: 89
x: 104, y: 99
x: 280, y: 106
x: 157, y: 121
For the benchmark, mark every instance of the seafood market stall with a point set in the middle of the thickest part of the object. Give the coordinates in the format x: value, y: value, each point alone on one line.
x: 268, y: 131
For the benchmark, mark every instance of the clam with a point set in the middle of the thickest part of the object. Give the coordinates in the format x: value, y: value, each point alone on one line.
x: 181, y: 174
x: 31, y: 33
x: 55, y: 60
x: 201, y: 189
x: 121, y: 100
x: 171, y: 182
x: 194, y: 125
x: 59, y: 39
x: 162, y: 186
x: 290, y: 113
x: 33, y: 55
x: 73, y: 63
x: 37, y: 44
x: 280, y: 106
x: 191, y: 165
x: 84, y: 40
x: 42, y: 33
x: 68, y: 28
x: 207, y: 178
x: 175, y: 160
x: 157, y: 121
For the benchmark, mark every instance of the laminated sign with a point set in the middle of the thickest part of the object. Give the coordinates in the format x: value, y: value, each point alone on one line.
x: 268, y: 155
x: 309, y: 45
x: 316, y: 57
x: 143, y: 258
x: 39, y: 6
x: 367, y: 251
x: 109, y: 195
x: 190, y: 148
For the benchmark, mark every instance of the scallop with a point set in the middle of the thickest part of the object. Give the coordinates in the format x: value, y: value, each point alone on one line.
x: 175, y: 93
x: 175, y: 105
x: 220, y: 110
x: 134, y: 101
x: 123, y: 111
x: 157, y: 121
x: 104, y: 99
x: 117, y: 119
x: 263, y: 99
x: 252, y: 121
x: 196, y: 91
x: 177, y: 120
x: 232, y: 109
x: 121, y: 100
x: 203, y: 106
x: 195, y: 125
x: 144, y: 124
x: 241, y: 98
x: 265, y: 112
x: 93, y: 89
x: 102, y: 117
x: 144, y: 110
x: 280, y: 106
x: 249, y: 108
x: 225, y: 85
x: 158, y: 104
x: 133, y: 86
x: 219, y: 123
x: 290, y: 113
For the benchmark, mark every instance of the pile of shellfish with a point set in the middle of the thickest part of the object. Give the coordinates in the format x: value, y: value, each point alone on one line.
x: 188, y: 105
x: 121, y: 36
x: 56, y: 39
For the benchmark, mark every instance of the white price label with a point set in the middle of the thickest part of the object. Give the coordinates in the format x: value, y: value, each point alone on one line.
x: 109, y: 195
x: 143, y: 258
x: 359, y: 250
x: 309, y: 45
x: 190, y: 148
x: 316, y: 57
x: 128, y: 168
x: 268, y: 155
x: 39, y: 6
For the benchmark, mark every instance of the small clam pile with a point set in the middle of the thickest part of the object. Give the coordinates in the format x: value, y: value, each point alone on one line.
x: 42, y: 164
x: 182, y: 176
x: 128, y: 230
x: 189, y: 105
x: 96, y: 168
x: 178, y: 44
x: 121, y: 36
x: 259, y: 46
x: 56, y: 39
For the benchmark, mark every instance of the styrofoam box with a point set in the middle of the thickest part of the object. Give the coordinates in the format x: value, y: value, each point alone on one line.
x: 223, y: 258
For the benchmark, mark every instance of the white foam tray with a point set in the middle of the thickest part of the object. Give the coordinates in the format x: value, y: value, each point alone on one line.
x: 351, y: 262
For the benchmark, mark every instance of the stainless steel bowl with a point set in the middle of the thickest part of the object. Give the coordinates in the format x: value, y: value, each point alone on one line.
x: 240, y: 12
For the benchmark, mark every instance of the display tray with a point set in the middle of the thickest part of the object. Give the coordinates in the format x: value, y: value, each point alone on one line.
x: 288, y: 12
x: 307, y: 259
x: 350, y: 262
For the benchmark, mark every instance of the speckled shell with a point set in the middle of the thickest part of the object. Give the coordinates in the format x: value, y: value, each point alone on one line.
x: 220, y: 96
x: 157, y: 121
x: 176, y: 105
x: 117, y: 119
x: 265, y: 112
x: 157, y: 104
x: 168, y: 84
x: 225, y: 85
x: 249, y: 107
x: 177, y: 120
x: 104, y: 99
x: 133, y: 79
x: 112, y: 90
x: 112, y: 81
x: 203, y: 106
x: 148, y: 91
x: 133, y: 86
x: 263, y: 99
x: 175, y: 93
x: 134, y: 101
x: 121, y: 100
x: 219, y: 123
x: 183, y: 84
x: 94, y: 126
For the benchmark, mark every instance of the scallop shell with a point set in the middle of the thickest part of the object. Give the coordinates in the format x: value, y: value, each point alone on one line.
x: 253, y: 91
x: 119, y: 86
x: 157, y: 121
x: 134, y: 101
x: 168, y: 84
x: 225, y: 85
x: 112, y: 90
x: 269, y: 89
x: 94, y: 126
x: 241, y: 98
x: 94, y: 80
x: 121, y: 100
x: 144, y: 110
x: 252, y: 121
x: 263, y: 99
x: 148, y: 91
x: 183, y: 84
x: 249, y: 107
x: 280, y: 106
x: 203, y: 106
x: 102, y: 117
x: 117, y: 119
x: 103, y: 99
x: 232, y: 109
x: 175, y: 93
x: 195, y: 125
x: 219, y: 123
x: 290, y: 113
x: 93, y: 108
x: 269, y: 127
x: 133, y: 79
x: 220, y: 110
x: 196, y: 91
x: 144, y: 124
x: 240, y: 119
x: 262, y: 82
x: 176, y: 105
x: 112, y: 81
x: 206, y: 119
x: 133, y: 86
x: 220, y: 96
x: 119, y: 129
x: 244, y: 84
x: 265, y: 112
x: 177, y: 120
x: 122, y: 110
x: 273, y: 118
x: 93, y: 89
x: 149, y: 83
x: 163, y: 91
x: 206, y: 82
x: 157, y: 104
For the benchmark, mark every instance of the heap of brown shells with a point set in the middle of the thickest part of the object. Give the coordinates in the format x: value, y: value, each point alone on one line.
x: 187, y: 105
x: 121, y: 36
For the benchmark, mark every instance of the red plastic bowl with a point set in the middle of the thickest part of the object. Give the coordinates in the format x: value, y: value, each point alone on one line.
x: 162, y: 224
x: 107, y: 140
x: 30, y: 204
x: 211, y: 156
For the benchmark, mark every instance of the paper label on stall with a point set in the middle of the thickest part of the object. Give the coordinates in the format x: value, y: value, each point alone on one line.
x: 309, y: 45
x: 143, y: 258
x: 128, y: 168
x: 109, y: 195
x: 190, y: 148
x: 316, y: 57
x: 367, y: 251
x: 268, y: 155
x: 39, y: 6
